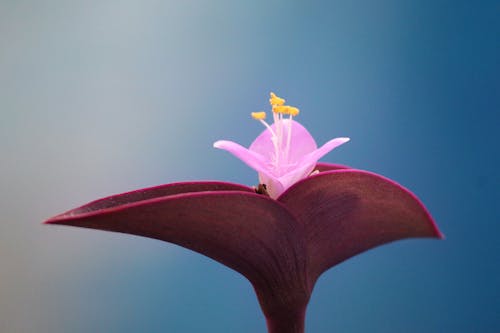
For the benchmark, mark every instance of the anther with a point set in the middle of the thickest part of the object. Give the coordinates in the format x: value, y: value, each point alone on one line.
x: 283, y: 109
x: 259, y: 115
x: 275, y: 100
x: 293, y: 111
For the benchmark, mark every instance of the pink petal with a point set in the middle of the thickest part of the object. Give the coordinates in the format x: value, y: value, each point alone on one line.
x: 274, y: 186
x: 304, y: 168
x: 251, y: 158
x: 314, y: 156
x: 301, y: 142
x: 346, y: 212
x: 299, y: 173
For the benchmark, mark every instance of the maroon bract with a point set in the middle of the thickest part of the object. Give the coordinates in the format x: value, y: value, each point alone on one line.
x: 280, y: 245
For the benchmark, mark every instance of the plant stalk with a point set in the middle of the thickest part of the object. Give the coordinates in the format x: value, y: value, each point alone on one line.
x: 286, y: 322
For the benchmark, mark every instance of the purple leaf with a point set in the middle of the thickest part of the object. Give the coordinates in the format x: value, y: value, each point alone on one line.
x: 250, y: 233
x: 282, y: 240
x: 321, y: 166
x: 346, y: 212
x: 154, y: 192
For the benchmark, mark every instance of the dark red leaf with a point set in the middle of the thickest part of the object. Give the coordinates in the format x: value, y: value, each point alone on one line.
x: 281, y: 246
x: 322, y: 167
x: 346, y: 212
x: 250, y: 233
x: 154, y: 192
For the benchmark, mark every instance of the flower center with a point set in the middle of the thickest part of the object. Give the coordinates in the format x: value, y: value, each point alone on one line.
x: 280, y: 160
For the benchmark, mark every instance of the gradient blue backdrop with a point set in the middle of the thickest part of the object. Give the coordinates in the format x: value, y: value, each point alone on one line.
x: 100, y: 97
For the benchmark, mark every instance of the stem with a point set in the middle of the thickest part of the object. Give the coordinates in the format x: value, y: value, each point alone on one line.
x: 286, y: 322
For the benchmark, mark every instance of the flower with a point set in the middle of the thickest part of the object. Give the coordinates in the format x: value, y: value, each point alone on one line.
x: 283, y: 153
x: 281, y: 245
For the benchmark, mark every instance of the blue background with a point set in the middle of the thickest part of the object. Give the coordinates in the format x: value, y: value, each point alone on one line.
x: 101, y: 97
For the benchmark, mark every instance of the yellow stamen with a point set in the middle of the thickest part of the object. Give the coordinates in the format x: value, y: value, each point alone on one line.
x: 275, y: 100
x: 281, y: 131
x: 286, y: 109
x: 293, y: 111
x: 283, y: 109
x: 259, y: 115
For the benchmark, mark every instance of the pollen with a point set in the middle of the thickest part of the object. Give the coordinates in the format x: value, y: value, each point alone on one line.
x: 259, y: 115
x: 286, y: 109
x: 293, y: 111
x: 283, y: 109
x: 275, y: 100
